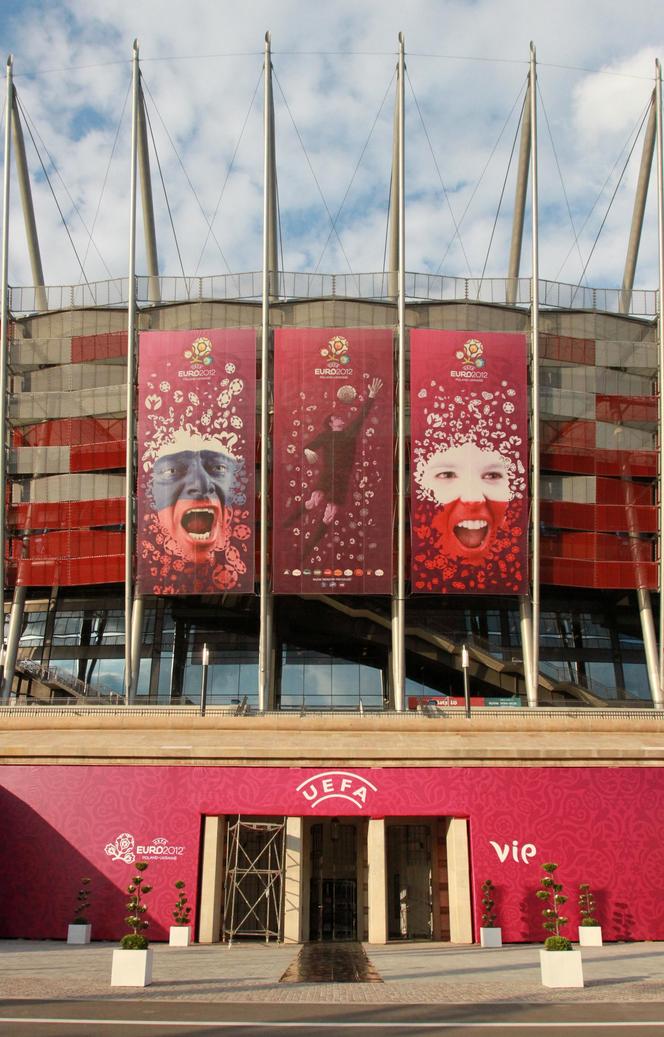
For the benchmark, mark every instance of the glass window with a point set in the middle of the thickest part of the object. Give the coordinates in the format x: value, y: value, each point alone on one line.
x: 34, y: 624
x: 636, y: 681
x: 314, y: 680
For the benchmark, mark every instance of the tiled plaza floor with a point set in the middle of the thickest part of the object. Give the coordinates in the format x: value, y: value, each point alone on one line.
x: 414, y: 973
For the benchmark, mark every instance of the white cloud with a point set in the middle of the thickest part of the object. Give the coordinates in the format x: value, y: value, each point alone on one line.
x: 467, y: 63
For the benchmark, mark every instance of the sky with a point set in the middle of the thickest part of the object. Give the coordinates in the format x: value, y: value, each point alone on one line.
x: 334, y: 90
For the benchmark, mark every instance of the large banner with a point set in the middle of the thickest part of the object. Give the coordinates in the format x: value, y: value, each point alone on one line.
x: 332, y: 510
x: 469, y: 435
x: 196, y: 449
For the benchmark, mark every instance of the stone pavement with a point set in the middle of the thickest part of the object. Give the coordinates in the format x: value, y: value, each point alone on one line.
x: 413, y: 973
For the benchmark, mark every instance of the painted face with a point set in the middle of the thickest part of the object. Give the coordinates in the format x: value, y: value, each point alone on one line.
x: 336, y: 424
x: 193, y: 495
x: 473, y: 487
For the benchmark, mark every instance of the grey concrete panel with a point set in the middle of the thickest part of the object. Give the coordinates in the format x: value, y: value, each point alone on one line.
x: 34, y: 352
x: 78, y: 486
x: 76, y: 377
x: 637, y: 356
x: 623, y: 437
x: 578, y: 489
x: 40, y: 406
x: 38, y: 460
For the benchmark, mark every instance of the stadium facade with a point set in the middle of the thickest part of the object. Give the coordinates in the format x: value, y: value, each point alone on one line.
x: 336, y: 713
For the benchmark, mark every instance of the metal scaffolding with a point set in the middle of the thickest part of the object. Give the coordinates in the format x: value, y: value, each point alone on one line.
x: 253, y: 886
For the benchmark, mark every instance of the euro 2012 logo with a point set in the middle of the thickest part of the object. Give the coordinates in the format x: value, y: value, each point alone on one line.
x: 336, y: 351
x: 200, y: 352
x: 471, y: 354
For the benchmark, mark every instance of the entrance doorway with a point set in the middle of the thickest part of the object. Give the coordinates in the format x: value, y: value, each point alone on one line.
x: 410, y: 882
x: 333, y: 881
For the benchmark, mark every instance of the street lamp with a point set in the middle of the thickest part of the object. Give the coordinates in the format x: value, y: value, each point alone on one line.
x: 465, y: 663
x: 205, y: 662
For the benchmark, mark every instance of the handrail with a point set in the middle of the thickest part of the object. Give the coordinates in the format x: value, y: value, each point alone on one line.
x: 293, y: 285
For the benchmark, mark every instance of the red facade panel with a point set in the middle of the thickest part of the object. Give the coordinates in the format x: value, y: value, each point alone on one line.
x: 623, y: 491
x: 94, y: 457
x: 599, y: 517
x: 71, y: 432
x: 98, y: 347
x: 603, y: 575
x: 70, y: 572
x: 618, y: 409
x: 67, y: 514
x: 597, y: 547
x: 568, y: 350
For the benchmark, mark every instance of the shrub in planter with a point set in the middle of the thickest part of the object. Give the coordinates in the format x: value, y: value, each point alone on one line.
x: 491, y: 935
x: 557, y: 969
x: 552, y: 894
x: 79, y: 929
x: 137, y: 889
x: 590, y: 931
x: 132, y: 963
x: 180, y: 933
x: 587, y: 905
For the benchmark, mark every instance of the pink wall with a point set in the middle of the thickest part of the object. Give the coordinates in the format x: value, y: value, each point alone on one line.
x: 602, y: 825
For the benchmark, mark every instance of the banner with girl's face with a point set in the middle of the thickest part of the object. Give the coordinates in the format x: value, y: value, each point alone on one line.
x: 196, y: 447
x: 332, y: 502
x: 469, y: 436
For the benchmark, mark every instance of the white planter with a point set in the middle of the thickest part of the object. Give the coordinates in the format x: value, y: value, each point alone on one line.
x: 179, y: 936
x: 491, y: 936
x: 561, y: 968
x: 131, y: 968
x: 590, y: 935
x: 78, y: 933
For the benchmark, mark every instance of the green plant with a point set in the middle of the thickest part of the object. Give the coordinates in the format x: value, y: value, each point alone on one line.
x: 82, y: 903
x: 552, y: 894
x: 488, y: 904
x: 587, y: 905
x: 137, y: 889
x: 182, y: 909
x: 557, y: 943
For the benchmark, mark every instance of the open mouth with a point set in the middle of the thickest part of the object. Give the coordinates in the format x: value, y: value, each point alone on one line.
x: 471, y: 532
x: 198, y: 523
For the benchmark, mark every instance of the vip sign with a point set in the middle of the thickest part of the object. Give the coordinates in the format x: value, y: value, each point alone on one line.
x: 523, y: 853
x: 336, y: 785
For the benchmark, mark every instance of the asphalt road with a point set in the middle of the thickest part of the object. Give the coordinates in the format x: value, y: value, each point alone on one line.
x: 175, y: 1019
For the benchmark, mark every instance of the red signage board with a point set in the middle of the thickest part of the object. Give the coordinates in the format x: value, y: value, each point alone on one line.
x: 196, y: 448
x: 332, y: 506
x: 469, y: 435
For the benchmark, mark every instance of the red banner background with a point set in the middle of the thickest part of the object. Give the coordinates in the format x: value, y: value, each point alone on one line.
x: 196, y: 449
x: 332, y: 509
x: 469, y: 435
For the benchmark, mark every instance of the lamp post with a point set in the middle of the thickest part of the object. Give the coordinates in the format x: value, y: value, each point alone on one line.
x: 465, y: 663
x: 205, y: 662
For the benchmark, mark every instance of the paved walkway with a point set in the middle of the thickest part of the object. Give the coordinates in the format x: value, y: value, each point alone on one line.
x: 415, y: 973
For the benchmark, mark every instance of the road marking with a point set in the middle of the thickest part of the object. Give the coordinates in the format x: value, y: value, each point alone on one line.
x: 337, y: 1024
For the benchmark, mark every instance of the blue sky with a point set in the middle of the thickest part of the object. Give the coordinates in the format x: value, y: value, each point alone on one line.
x: 334, y: 96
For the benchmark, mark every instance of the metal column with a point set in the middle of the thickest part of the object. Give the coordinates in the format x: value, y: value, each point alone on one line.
x: 535, y: 387
x: 131, y: 346
x: 41, y: 301
x: 393, y: 214
x: 154, y: 291
x: 4, y: 346
x: 269, y: 257
x: 137, y: 615
x: 639, y: 209
x: 399, y: 601
x: 642, y: 593
x: 525, y: 152
x: 519, y: 207
x: 659, y: 698
x: 13, y: 639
